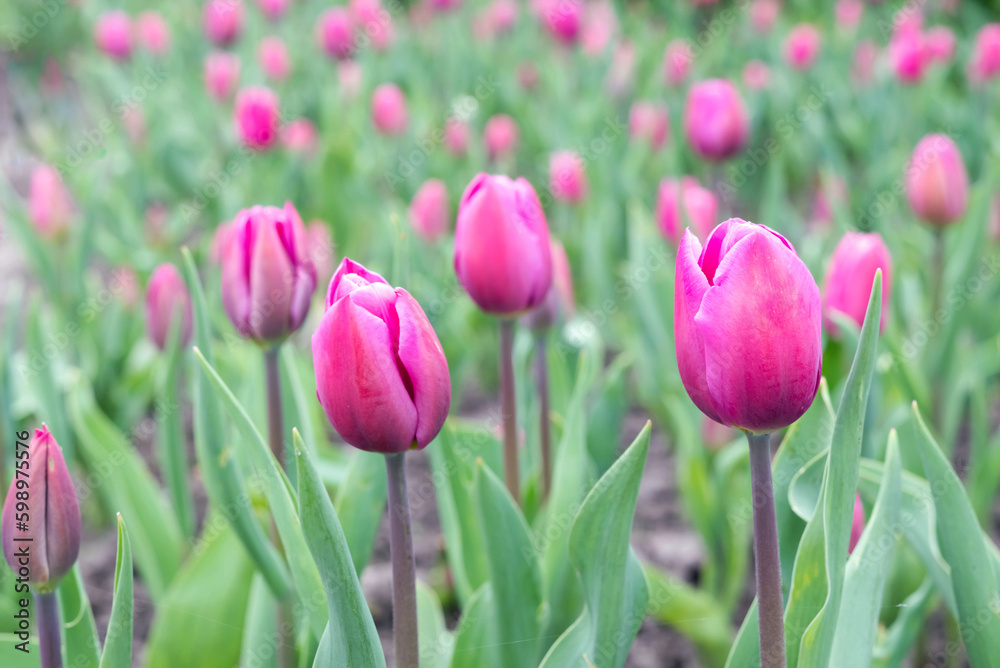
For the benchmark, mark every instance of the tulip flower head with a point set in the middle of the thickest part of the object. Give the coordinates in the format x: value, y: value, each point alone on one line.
x: 167, y: 298
x: 802, y: 46
x: 299, y: 136
x: 500, y: 136
x: 258, y: 117
x: 562, y: 19
x: 381, y: 374
x: 152, y: 32
x: 268, y: 277
x: 502, y: 254
x: 54, y: 525
x: 49, y: 203
x: 937, y: 184
x: 567, y: 177
x: 857, y: 524
x: 848, y: 283
x: 273, y: 58
x: 715, y: 120
x: 335, y: 33
x: 374, y: 21
x: 677, y: 62
x: 389, y: 110
x: 747, y: 322
x: 683, y: 203
x: 456, y: 136
x: 223, y: 21
x: 848, y: 14
x: 429, y: 210
x: 756, y: 75
x: 649, y: 121
x: 763, y: 14
x: 985, y: 62
x: 908, y: 56
x: 113, y: 34
x: 273, y: 9
x: 939, y: 44
x: 222, y: 73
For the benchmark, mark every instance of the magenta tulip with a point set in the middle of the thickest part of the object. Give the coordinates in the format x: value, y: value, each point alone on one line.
x: 335, y: 33
x: 857, y: 524
x: 939, y: 44
x: 52, y: 516
x: 562, y: 19
x: 268, y: 277
x: 683, y: 203
x: 848, y: 14
x: 113, y: 34
x: 649, y: 121
x: 273, y: 9
x: 848, y: 283
x: 567, y: 177
x: 677, y: 60
x: 257, y: 114
x: 375, y: 22
x: 167, y: 298
x: 907, y: 56
x: 985, y: 61
x: 747, y: 325
x: 500, y: 136
x: 429, y: 210
x: 321, y: 249
x: 802, y: 46
x: 560, y: 301
x: 152, y: 32
x: 715, y: 120
x: 937, y: 184
x: 389, y: 110
x: 273, y: 58
x: 49, y: 203
x: 502, y: 254
x: 381, y: 374
x: 222, y: 73
x: 223, y: 21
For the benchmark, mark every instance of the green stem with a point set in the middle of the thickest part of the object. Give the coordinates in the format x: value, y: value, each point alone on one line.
x: 937, y: 389
x: 404, y: 591
x: 508, y: 408
x: 545, y: 429
x: 49, y: 630
x: 766, y: 556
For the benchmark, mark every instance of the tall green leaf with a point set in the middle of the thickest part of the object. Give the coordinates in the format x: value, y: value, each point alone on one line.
x: 475, y: 637
x: 436, y: 641
x: 118, y: 641
x: 80, y: 642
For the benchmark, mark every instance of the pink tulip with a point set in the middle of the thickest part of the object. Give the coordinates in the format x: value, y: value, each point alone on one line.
x: 906, y: 53
x: 223, y: 21
x: 756, y: 75
x: 220, y: 241
x: 268, y: 277
x: 567, y: 177
x: 562, y: 19
x: 443, y: 6
x: 167, y: 298
x: 600, y: 25
x: 849, y: 13
x: 299, y: 136
x: 802, y: 46
x: 864, y: 61
x: 677, y: 62
x: 335, y: 33
x: 502, y: 16
x: 273, y: 58
x: 649, y: 121
x: 822, y: 214
x: 500, y: 136
x: 53, y: 512
x: 273, y: 9
x: 559, y: 302
x: 985, y: 61
x: 258, y: 117
x: 939, y: 44
x: 373, y: 22
x: 381, y: 374
x: 715, y: 120
x: 389, y: 110
x: 429, y: 210
x: 502, y: 255
x: 700, y: 208
x: 152, y: 32
x: 622, y: 70
x: 456, y: 136
x: 747, y: 325
x: 848, y: 282
x: 49, y: 203
x: 908, y: 20
x: 113, y: 34
x: 222, y: 73
x: 321, y: 249
x: 858, y: 523
x: 937, y: 184
x: 763, y: 14
x: 350, y: 76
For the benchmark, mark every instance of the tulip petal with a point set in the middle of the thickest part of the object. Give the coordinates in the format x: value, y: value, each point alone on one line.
x: 421, y: 353
x: 235, y: 274
x: 62, y: 519
x: 272, y: 278
x: 690, y: 286
x: 353, y: 275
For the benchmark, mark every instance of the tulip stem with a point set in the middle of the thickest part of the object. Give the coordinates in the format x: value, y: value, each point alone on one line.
x: 936, y: 298
x: 542, y: 378
x: 404, y: 586
x: 508, y: 408
x: 770, y: 607
x: 49, y: 638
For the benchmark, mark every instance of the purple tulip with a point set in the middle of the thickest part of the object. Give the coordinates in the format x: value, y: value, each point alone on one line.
x: 848, y: 283
x: 166, y: 295
x: 268, y: 277
x: 747, y: 325
x: 381, y: 374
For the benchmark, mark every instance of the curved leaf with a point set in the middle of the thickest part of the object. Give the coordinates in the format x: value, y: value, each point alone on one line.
x: 118, y: 641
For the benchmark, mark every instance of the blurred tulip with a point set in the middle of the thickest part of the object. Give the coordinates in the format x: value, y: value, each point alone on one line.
x: 350, y: 76
x: 502, y: 16
x: 53, y: 80
x: 335, y: 33
x: 848, y: 283
x: 53, y: 524
x: 321, y: 250
x: 763, y: 14
x: 906, y: 53
x: 756, y: 75
x: 848, y: 14
x: 937, y: 184
x: 381, y: 374
x: 500, y: 136
x: 267, y: 275
x: 857, y: 524
x: 258, y: 117
x: 113, y: 34
x: 561, y: 18
x: 622, y: 70
x: 677, y: 61
x: 994, y: 225
x: 649, y: 121
x: 600, y: 25
x: 527, y: 76
x: 864, y: 61
x: 700, y: 208
x: 273, y: 9
x: 444, y: 5
x: 567, y: 177
x: 222, y: 73
x: 822, y: 214
x: 152, y: 32
x: 559, y: 302
x: 747, y: 321
x: 802, y: 46
x: 49, y: 202
x: 299, y: 136
x: 429, y: 210
x: 715, y: 120
x: 167, y: 297
x: 456, y: 136
x: 939, y: 44
x: 157, y: 218
x: 502, y: 254
x: 135, y: 125
x: 389, y: 109
x: 220, y: 241
x: 985, y: 61
x: 373, y: 22
x: 909, y: 20
x: 223, y: 21
x: 715, y: 436
x: 273, y: 58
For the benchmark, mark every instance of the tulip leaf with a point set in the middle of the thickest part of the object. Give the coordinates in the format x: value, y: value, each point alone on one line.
x: 223, y: 482
x: 126, y: 485
x: 171, y: 445
x: 80, y: 641
x: 746, y: 647
x: 360, y: 504
x: 614, y: 585
x: 513, y: 570
x: 908, y: 627
x: 118, y: 642
x: 436, y: 641
x: 350, y: 638
x: 13, y: 657
x: 475, y: 637
x: 973, y: 572
x: 47, y: 390
x: 279, y: 496
x: 260, y: 627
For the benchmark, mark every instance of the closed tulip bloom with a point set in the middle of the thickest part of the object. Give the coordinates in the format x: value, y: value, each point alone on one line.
x: 715, y: 120
x: 848, y: 13
x: 456, y: 136
x: 802, y: 46
x: 381, y: 374
x: 600, y: 24
x: 258, y: 117
x: 374, y: 21
x: 429, y: 210
x: 299, y: 136
x: 937, y: 184
x: 567, y: 177
x: 335, y: 33
x: 268, y: 276
x: 167, y: 298
x: 747, y: 325
x: 677, y: 62
x: 848, y: 282
x: 939, y: 44
x: 152, y: 32
x: 222, y: 73
x: 502, y: 254
x: 223, y: 21
x: 502, y: 16
x: 756, y: 75
x: 54, y: 516
x: 700, y: 208
x: 907, y: 56
x: 763, y: 14
x: 113, y: 34
x: 562, y: 19
x: 49, y: 203
x: 389, y: 110
x: 649, y: 121
x: 273, y: 9
x: 985, y: 61
x: 857, y: 524
x: 273, y: 58
x: 500, y: 136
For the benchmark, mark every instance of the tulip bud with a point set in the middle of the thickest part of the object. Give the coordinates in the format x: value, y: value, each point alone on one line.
x: 223, y: 21
x: 222, y: 73
x: 560, y: 300
x: 985, y: 61
x: 335, y: 33
x: 113, y: 34
x: 763, y: 14
x: 600, y: 24
x: 456, y: 136
x: 700, y: 208
x: 756, y: 75
x: 715, y: 120
x: 936, y: 182
x: 257, y: 115
x: 52, y: 517
x: 562, y: 19
x: 273, y: 58
x: 381, y: 374
x: 649, y: 121
x: 567, y: 177
x: 677, y: 62
x: 273, y: 9
x: 389, y: 110
x: 152, y: 32
x: 299, y: 136
x: 501, y: 16
x: 49, y: 202
x: 802, y: 46
x: 500, y: 136
x: 848, y: 14
x: 906, y: 53
x: 857, y: 524
x: 166, y: 297
x: 849, y: 277
x: 429, y: 210
x: 374, y: 21
x: 747, y: 326
x: 502, y: 254
x: 939, y: 44
x: 267, y: 275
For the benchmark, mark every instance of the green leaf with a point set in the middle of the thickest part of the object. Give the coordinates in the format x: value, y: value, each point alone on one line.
x: 436, y: 641
x: 14, y: 657
x: 350, y: 638
x: 973, y: 577
x: 360, y: 504
x: 475, y: 637
x: 907, y: 629
x: 614, y: 586
x: 260, y: 627
x: 692, y: 612
x: 170, y: 442
x: 80, y: 642
x: 118, y: 641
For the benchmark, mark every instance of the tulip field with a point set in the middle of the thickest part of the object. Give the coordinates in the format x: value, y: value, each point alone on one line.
x: 500, y: 333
